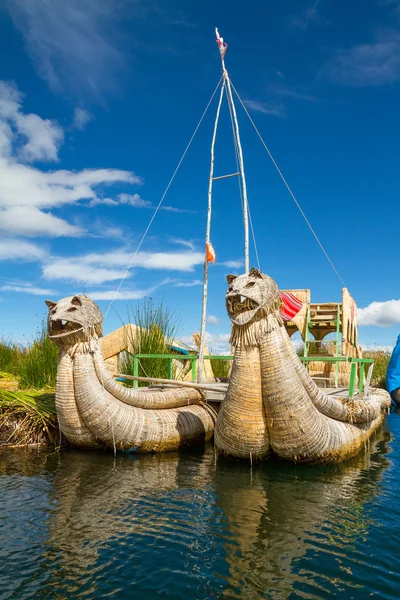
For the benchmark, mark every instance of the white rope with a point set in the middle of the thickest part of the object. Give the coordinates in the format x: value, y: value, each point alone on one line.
x: 288, y: 187
x: 241, y: 190
x: 161, y: 201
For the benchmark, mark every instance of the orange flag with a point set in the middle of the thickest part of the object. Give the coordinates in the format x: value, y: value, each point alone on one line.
x: 210, y: 253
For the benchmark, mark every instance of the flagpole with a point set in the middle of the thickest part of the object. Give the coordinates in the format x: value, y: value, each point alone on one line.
x: 222, y: 48
x: 208, y: 232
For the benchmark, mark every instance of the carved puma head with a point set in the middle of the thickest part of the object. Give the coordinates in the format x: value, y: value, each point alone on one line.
x: 251, y: 297
x: 73, y: 319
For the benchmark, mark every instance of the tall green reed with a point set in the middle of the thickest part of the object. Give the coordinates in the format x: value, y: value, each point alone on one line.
x: 156, y: 328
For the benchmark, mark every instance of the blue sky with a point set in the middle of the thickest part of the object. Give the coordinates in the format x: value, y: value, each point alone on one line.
x: 98, y: 99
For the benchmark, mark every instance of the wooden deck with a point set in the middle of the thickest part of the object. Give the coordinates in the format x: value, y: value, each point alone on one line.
x: 215, y: 398
x: 218, y: 396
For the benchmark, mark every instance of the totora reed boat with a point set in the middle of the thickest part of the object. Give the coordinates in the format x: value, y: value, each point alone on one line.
x: 272, y: 405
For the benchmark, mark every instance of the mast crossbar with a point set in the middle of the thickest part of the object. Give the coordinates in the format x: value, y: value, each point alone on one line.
x: 226, y: 176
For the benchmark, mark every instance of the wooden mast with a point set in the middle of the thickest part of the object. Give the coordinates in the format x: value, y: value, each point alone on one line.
x: 208, y: 232
x: 238, y: 149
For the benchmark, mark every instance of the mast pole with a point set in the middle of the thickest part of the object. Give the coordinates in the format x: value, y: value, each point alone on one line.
x: 208, y: 231
x: 222, y: 48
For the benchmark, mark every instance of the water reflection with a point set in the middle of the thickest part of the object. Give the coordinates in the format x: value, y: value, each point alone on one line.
x: 182, y: 526
x: 287, y: 513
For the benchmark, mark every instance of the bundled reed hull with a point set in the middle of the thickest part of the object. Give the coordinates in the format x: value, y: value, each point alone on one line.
x: 288, y: 414
x: 95, y: 410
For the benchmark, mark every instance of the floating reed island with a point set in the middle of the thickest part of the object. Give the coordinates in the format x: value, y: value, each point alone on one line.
x: 272, y: 405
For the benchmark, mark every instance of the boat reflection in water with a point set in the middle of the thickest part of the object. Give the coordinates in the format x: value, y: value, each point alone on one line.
x: 184, y: 525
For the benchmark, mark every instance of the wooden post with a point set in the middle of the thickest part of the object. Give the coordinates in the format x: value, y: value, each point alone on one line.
x: 135, y: 370
x: 208, y: 230
x: 169, y: 368
x: 361, y: 378
x: 193, y: 361
x: 353, y: 373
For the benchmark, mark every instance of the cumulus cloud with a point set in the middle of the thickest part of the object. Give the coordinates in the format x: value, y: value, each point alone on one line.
x: 75, y: 270
x: 27, y: 288
x: 213, y: 320
x: 381, y: 314
x: 111, y: 266
x: 30, y: 221
x: 14, y: 249
x: 35, y: 138
x: 27, y: 193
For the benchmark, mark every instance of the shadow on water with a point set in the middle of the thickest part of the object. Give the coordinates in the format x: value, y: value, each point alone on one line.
x: 183, y: 525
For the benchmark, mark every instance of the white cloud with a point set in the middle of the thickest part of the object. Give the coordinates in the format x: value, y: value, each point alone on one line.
x: 187, y: 284
x: 267, y: 108
x: 72, y: 44
x: 121, y: 295
x: 373, y: 64
x: 75, y: 270
x: 217, y: 344
x: 128, y: 199
x: 111, y: 266
x: 26, y: 191
x: 213, y: 320
x: 232, y: 264
x: 174, y: 261
x: 28, y: 288
x: 13, y: 249
x: 81, y: 118
x: 188, y: 243
x: 30, y: 221
x: 174, y: 209
x: 381, y: 314
x: 37, y: 138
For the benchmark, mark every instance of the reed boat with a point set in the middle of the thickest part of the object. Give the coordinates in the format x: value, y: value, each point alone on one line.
x: 271, y: 405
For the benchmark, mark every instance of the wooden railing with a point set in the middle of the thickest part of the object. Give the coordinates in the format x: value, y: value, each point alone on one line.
x: 357, y: 367
x: 170, y: 357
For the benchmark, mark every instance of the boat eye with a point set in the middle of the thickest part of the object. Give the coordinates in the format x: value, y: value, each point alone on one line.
x: 72, y: 309
x: 251, y: 284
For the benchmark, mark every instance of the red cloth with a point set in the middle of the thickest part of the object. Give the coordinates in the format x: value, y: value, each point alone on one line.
x: 290, y: 305
x: 210, y: 253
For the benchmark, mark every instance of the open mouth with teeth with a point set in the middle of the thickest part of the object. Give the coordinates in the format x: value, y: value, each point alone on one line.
x: 60, y: 328
x: 241, y: 309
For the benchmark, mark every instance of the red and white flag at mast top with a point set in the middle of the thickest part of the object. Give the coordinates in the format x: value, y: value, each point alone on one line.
x: 221, y: 44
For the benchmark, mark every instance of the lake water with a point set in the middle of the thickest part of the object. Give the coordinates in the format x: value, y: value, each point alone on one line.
x: 88, y: 525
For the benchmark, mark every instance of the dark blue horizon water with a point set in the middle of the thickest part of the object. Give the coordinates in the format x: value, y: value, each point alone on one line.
x: 88, y: 525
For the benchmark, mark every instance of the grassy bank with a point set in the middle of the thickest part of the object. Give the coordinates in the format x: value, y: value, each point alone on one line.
x: 35, y: 365
x: 28, y: 417
x: 381, y: 361
x: 27, y: 383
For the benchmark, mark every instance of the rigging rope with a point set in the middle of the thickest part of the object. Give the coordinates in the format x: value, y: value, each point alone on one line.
x: 288, y: 187
x: 161, y: 200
